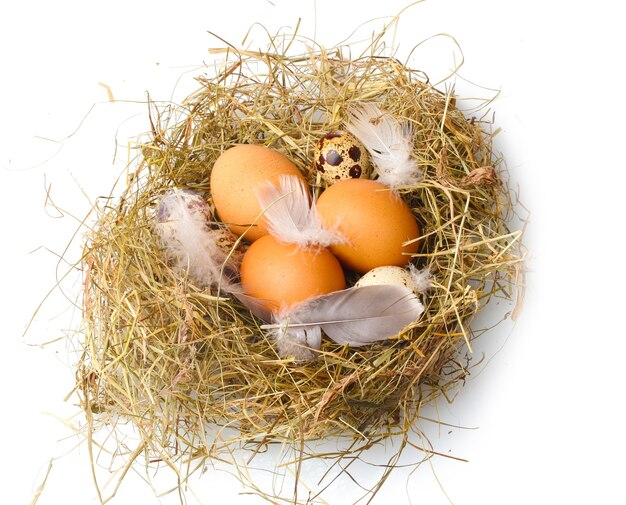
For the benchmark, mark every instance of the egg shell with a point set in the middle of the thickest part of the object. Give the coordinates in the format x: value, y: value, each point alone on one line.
x: 388, y: 276
x: 374, y: 220
x: 235, y: 178
x: 340, y: 155
x: 285, y: 274
x: 226, y: 241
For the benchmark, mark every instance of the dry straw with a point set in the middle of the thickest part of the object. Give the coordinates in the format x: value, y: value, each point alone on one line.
x: 189, y: 371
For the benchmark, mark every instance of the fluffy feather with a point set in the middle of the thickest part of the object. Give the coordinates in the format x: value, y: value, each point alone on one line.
x: 422, y: 279
x: 389, y: 143
x: 189, y: 242
x: 355, y: 316
x: 290, y: 216
x: 299, y: 343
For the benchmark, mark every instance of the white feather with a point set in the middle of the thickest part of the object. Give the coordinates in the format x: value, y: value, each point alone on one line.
x: 422, y: 279
x: 290, y: 217
x: 389, y: 143
x: 189, y: 243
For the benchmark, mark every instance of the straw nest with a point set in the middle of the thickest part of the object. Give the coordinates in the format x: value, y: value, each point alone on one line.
x: 190, y: 369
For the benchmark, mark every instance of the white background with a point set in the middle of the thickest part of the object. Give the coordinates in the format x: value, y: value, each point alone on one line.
x: 547, y: 408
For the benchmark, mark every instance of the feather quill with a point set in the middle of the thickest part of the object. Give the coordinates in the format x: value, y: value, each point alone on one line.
x: 389, y: 143
x: 189, y: 242
x: 299, y: 343
x: 290, y: 217
x: 354, y: 316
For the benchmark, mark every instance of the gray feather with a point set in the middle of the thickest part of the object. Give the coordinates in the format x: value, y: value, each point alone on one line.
x: 257, y: 306
x: 357, y: 316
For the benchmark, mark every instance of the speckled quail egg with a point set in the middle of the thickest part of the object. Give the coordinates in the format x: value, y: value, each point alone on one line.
x: 387, y: 275
x: 339, y: 155
x: 226, y: 240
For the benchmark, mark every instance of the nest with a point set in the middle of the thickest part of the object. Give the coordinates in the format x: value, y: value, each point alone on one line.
x: 190, y: 369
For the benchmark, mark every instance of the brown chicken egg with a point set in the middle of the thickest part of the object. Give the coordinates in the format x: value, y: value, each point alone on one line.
x: 235, y: 178
x: 340, y: 155
x: 285, y: 274
x: 375, y: 222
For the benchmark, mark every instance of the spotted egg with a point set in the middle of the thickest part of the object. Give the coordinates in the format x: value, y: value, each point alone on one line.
x: 227, y: 242
x: 387, y: 275
x: 340, y: 155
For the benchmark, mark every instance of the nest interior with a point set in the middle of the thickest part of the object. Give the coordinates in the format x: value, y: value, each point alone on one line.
x: 182, y: 363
